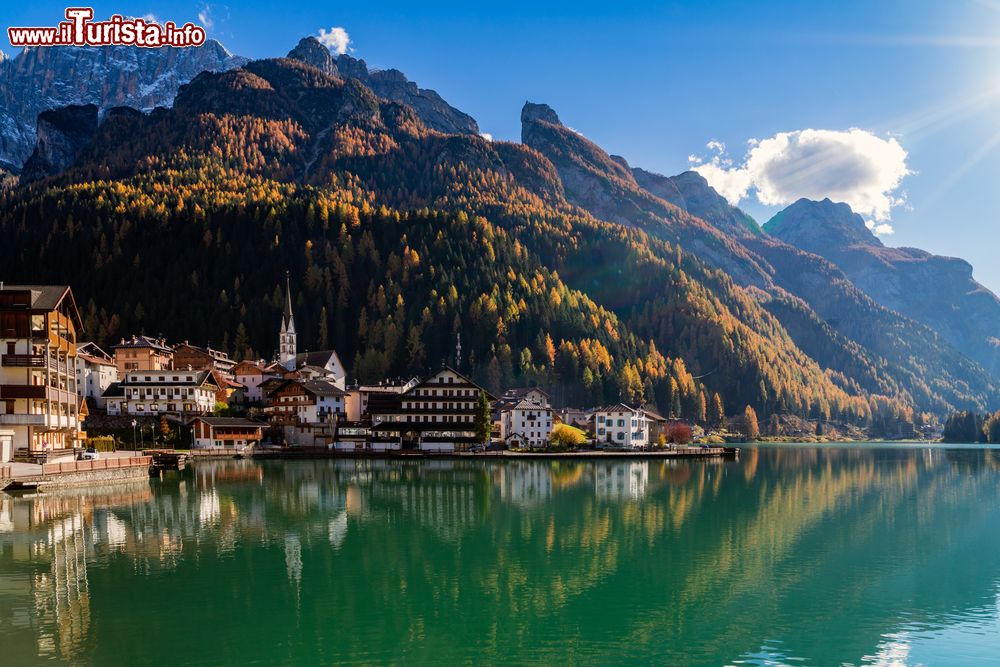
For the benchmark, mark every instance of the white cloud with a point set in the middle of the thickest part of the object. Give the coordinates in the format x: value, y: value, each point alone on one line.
x: 150, y: 18
x: 855, y: 167
x: 730, y: 182
x: 881, y: 229
x: 336, y: 39
x: 205, y: 17
x: 486, y: 135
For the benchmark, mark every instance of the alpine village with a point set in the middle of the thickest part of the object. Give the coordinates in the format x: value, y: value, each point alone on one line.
x: 297, y: 257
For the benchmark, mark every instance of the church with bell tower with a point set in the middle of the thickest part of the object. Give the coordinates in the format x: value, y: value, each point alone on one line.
x: 311, y: 364
x: 287, y: 347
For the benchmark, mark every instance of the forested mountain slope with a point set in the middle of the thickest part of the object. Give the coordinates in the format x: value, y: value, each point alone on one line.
x: 182, y: 222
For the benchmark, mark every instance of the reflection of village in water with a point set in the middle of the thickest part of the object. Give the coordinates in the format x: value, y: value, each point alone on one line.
x: 50, y: 543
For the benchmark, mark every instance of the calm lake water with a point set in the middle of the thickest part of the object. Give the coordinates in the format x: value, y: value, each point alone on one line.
x: 791, y: 555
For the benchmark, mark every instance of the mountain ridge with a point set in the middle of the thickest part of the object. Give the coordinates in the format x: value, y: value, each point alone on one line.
x: 45, y: 78
x: 294, y: 153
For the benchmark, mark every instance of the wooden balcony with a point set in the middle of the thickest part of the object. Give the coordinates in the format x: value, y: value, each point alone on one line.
x: 37, y: 361
x: 23, y: 360
x: 30, y: 391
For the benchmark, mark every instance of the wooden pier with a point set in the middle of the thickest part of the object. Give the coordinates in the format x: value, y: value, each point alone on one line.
x: 164, y: 460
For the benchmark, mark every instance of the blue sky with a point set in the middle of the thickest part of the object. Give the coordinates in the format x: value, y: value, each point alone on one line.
x: 657, y: 82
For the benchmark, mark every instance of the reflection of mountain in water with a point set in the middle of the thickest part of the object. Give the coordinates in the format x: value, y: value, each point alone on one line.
x: 833, y: 554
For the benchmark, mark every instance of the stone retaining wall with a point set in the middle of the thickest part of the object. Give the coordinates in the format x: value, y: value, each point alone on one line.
x: 124, y: 469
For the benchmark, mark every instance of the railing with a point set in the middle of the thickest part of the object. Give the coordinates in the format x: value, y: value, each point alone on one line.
x: 22, y: 420
x: 100, y: 464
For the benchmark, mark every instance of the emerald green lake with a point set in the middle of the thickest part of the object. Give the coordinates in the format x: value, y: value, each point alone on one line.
x: 790, y: 555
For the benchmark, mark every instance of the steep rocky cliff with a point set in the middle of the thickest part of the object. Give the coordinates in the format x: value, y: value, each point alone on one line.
x: 44, y: 78
x: 390, y: 84
x: 938, y: 291
x: 62, y: 134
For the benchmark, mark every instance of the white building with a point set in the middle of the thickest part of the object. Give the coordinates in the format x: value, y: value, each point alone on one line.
x: 165, y: 391
x: 95, y: 372
x: 526, y: 424
x: 251, y: 374
x: 622, y: 426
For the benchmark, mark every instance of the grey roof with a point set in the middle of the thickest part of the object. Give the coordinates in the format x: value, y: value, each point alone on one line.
x: 519, y: 392
x: 322, y: 388
x: 114, y: 390
x: 142, y: 341
x: 43, y: 297
x: 318, y: 358
x: 48, y: 297
x: 286, y: 320
x: 523, y: 404
x: 618, y: 407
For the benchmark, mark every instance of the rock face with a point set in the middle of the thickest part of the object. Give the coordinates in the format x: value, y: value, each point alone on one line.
x: 388, y: 84
x: 311, y: 52
x: 606, y: 187
x: 39, y: 79
x: 937, y: 291
x: 812, y: 225
x: 62, y: 134
x: 691, y: 192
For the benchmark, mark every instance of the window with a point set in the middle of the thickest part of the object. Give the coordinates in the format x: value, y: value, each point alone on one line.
x: 621, y: 436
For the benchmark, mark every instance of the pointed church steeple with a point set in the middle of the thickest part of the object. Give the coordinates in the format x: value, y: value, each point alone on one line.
x: 286, y: 337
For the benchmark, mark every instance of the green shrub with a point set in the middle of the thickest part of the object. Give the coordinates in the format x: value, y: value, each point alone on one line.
x: 102, y: 443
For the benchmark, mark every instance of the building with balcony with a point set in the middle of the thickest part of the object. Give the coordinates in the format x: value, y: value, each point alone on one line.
x: 146, y: 393
x: 192, y: 357
x: 358, y: 396
x: 305, y: 412
x: 436, y: 414
x: 39, y: 403
x: 142, y: 353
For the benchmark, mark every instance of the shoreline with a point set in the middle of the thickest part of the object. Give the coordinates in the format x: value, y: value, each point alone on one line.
x: 302, y: 453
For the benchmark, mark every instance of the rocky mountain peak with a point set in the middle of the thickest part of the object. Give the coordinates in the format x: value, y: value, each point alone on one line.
x: 532, y: 112
x: 813, y: 225
x: 310, y: 51
x: 691, y: 192
x: 39, y: 79
x: 353, y: 68
x: 390, y: 84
